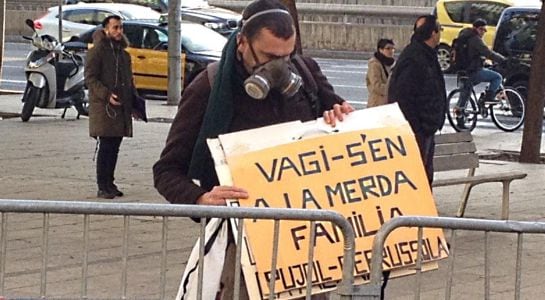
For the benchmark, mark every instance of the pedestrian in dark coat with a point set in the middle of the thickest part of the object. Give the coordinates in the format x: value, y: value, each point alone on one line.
x: 418, y: 86
x: 108, y: 76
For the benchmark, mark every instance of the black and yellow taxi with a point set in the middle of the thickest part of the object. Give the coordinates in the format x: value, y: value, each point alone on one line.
x: 148, y: 47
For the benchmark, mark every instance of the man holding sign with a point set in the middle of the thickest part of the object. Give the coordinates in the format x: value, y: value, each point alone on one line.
x: 259, y: 81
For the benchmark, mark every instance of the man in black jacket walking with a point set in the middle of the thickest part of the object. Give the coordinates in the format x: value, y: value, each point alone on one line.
x: 418, y: 86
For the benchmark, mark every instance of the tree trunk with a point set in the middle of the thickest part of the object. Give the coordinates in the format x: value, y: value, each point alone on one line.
x: 533, y: 126
x: 293, y: 12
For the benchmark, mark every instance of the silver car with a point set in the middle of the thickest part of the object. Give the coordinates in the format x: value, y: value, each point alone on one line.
x: 78, y: 18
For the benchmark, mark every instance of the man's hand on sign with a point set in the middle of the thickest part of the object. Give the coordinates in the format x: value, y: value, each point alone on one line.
x: 337, y: 113
x: 219, y: 194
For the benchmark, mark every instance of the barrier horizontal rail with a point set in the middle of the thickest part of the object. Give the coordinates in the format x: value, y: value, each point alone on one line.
x: 344, y: 290
x: 372, y: 290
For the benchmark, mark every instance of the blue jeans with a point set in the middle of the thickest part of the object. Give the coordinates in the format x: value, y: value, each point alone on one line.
x: 487, y: 75
x: 483, y: 75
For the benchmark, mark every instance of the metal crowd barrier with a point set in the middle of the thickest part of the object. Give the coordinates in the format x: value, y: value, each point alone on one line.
x: 128, y: 210
x: 373, y: 291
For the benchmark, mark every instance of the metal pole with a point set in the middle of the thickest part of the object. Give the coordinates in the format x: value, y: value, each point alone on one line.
x: 45, y: 255
x: 174, y: 52
x: 164, y: 253
x: 3, y: 249
x: 60, y: 21
x: 85, y: 257
x: 2, y: 33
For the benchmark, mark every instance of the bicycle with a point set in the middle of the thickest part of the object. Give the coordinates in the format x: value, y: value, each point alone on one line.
x: 507, y: 111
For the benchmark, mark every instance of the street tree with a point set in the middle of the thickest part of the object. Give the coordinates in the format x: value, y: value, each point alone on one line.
x: 533, y: 126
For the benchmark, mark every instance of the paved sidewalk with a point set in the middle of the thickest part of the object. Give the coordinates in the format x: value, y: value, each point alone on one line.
x: 50, y: 158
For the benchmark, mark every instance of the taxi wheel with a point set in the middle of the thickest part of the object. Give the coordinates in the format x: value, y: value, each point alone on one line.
x: 443, y: 55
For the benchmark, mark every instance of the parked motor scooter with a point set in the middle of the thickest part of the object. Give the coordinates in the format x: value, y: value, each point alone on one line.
x: 54, y: 75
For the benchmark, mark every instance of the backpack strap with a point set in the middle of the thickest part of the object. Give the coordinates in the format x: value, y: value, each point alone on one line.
x: 310, y: 87
x: 212, y: 69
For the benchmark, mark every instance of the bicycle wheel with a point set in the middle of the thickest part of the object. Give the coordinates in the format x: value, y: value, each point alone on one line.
x: 508, y: 114
x: 462, y: 119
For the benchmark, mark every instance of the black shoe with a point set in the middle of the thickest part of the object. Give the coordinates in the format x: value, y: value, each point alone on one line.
x: 460, y: 123
x: 105, y: 194
x: 490, y: 98
x: 114, y: 190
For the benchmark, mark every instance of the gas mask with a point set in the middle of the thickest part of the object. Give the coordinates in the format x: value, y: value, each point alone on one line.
x: 275, y: 74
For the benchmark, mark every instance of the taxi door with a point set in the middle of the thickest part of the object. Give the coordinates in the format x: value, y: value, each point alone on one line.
x: 149, y: 57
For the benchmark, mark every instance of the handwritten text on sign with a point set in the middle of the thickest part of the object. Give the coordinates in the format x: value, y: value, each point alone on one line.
x: 369, y: 176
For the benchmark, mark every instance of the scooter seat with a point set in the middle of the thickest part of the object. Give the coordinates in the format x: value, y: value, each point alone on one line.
x: 65, y: 68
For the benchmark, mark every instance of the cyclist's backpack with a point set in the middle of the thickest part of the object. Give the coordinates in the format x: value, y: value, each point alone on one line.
x: 459, y: 55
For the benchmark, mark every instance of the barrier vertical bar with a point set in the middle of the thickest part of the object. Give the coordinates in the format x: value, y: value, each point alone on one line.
x: 3, y: 249
x: 272, y: 280
x: 202, y: 236
x: 418, y: 266
x: 45, y: 248
x: 310, y: 258
x: 124, y: 258
x: 518, y: 270
x: 486, y: 268
x: 505, y: 201
x: 164, y: 245
x: 236, y: 288
x: 85, y: 258
x: 450, y: 273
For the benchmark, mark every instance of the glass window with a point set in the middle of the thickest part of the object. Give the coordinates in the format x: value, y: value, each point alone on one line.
x: 153, y: 37
x: 489, y: 11
x: 134, y: 35
x: 467, y: 12
x: 101, y: 15
x: 83, y: 16
x: 518, y: 33
x: 455, y: 11
x: 197, y: 38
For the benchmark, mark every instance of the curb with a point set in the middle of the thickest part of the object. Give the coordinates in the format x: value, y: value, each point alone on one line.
x: 10, y: 92
x: 338, y: 54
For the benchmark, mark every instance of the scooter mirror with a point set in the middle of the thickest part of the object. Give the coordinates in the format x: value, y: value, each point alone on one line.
x: 30, y: 23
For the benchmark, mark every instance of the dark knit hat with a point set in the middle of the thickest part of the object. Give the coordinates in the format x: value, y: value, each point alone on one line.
x: 479, y: 23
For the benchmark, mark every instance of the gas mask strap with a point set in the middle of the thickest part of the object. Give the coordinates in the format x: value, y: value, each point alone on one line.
x: 257, y: 64
x: 265, y: 12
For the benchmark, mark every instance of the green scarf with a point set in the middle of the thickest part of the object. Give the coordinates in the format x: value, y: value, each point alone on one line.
x: 218, y: 116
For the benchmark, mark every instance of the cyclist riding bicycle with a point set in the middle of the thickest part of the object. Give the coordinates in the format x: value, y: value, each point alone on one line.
x: 477, y: 52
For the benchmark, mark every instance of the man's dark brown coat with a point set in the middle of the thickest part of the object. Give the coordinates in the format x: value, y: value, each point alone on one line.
x: 171, y: 171
x: 103, y: 60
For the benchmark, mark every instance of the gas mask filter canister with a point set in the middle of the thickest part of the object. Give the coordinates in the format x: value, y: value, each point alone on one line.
x: 273, y: 74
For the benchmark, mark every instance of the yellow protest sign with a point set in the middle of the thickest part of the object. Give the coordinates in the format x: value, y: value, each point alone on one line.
x: 368, y: 176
